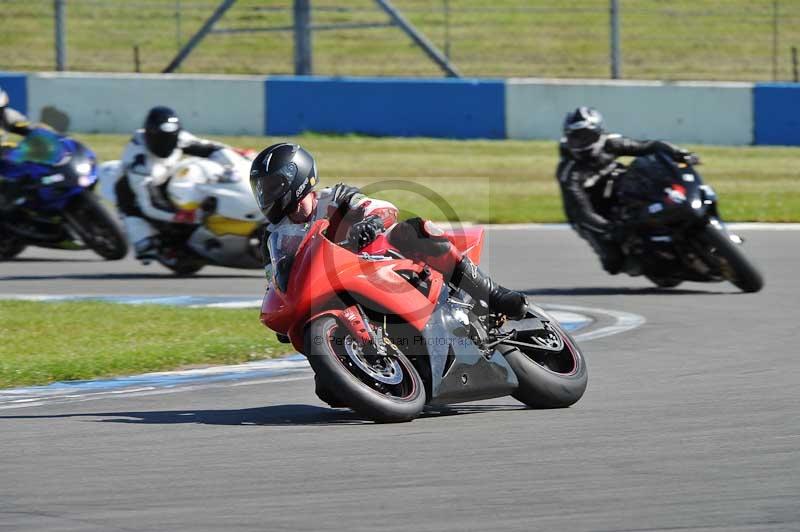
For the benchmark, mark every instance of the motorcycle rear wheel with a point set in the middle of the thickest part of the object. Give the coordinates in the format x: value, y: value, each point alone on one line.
x: 97, y: 227
x: 734, y: 265
x: 665, y: 282
x: 360, y: 381
x: 185, y: 266
x: 548, y: 379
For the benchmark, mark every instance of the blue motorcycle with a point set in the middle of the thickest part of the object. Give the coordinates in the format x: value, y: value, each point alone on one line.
x: 46, y: 199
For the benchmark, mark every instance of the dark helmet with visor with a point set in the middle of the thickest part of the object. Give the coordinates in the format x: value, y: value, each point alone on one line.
x: 162, y: 127
x: 583, y: 130
x: 280, y: 176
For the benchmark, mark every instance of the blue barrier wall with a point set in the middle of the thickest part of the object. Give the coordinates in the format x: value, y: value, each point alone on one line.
x: 16, y: 86
x: 777, y: 114
x: 454, y: 108
x: 705, y: 113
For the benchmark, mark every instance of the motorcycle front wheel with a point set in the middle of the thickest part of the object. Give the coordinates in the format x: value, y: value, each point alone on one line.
x: 734, y: 266
x: 10, y: 247
x: 384, y: 388
x: 547, y: 378
x: 98, y: 228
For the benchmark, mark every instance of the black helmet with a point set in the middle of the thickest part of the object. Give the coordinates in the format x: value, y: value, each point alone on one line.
x: 280, y: 177
x: 583, y: 130
x: 161, y: 129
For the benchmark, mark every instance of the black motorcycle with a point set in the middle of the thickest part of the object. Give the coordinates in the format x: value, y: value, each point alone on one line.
x: 675, y: 231
x: 47, y: 199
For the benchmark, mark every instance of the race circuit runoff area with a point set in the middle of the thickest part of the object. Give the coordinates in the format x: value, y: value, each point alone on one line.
x: 64, y: 281
x: 584, y: 323
x: 689, y: 422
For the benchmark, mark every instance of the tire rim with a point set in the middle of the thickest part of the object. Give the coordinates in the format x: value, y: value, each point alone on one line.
x: 406, y: 386
x: 381, y: 368
x: 563, y: 361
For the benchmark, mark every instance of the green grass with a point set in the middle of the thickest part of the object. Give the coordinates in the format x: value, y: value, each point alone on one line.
x: 46, y: 342
x: 661, y: 39
x: 513, y: 181
x: 485, y: 181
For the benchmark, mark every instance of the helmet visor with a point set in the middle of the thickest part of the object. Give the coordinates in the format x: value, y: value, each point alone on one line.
x: 582, y: 139
x: 161, y: 143
x: 275, y: 188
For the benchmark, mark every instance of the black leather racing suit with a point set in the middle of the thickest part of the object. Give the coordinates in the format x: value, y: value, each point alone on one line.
x: 586, y: 189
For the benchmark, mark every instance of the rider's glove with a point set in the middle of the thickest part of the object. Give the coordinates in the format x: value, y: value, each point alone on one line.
x: 343, y: 195
x: 688, y: 157
x: 366, y: 231
x: 184, y: 216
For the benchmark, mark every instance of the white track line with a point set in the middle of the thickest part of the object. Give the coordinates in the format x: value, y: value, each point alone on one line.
x: 623, y: 321
x: 290, y: 368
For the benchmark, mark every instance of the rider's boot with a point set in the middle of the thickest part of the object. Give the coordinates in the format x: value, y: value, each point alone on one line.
x: 632, y: 266
x: 476, y: 283
x: 143, y: 236
x: 146, y: 249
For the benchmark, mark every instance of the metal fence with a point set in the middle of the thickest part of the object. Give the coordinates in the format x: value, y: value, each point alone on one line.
x: 657, y: 39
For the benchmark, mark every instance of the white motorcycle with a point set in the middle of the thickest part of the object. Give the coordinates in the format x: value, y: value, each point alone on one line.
x: 229, y: 228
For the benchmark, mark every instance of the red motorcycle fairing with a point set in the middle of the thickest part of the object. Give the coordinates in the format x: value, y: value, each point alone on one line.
x: 467, y: 240
x: 324, y: 276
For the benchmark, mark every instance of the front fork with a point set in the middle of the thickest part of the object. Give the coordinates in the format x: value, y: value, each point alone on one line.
x: 357, y: 322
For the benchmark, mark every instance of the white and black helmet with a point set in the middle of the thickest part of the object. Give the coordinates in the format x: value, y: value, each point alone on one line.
x: 162, y: 127
x: 583, y: 130
x: 280, y: 176
x: 3, y: 99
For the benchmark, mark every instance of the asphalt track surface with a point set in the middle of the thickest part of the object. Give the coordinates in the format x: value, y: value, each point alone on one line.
x: 690, y: 422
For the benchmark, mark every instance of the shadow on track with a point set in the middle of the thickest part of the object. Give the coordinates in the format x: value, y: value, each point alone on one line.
x: 50, y: 259
x: 126, y: 276
x: 278, y: 415
x: 620, y: 291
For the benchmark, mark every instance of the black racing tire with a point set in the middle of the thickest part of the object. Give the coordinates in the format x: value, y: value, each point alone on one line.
x: 185, y: 266
x: 733, y: 264
x: 549, y: 380
x: 665, y: 282
x: 96, y: 226
x: 325, y: 349
x: 10, y: 246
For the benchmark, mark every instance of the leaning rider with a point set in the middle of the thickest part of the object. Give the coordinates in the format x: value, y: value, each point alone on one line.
x: 585, y: 169
x: 147, y: 164
x: 283, y: 178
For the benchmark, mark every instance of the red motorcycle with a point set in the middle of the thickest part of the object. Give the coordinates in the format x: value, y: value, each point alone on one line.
x: 387, y: 335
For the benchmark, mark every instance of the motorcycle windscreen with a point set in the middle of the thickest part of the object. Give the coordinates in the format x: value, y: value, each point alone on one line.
x: 41, y: 146
x: 283, y: 244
